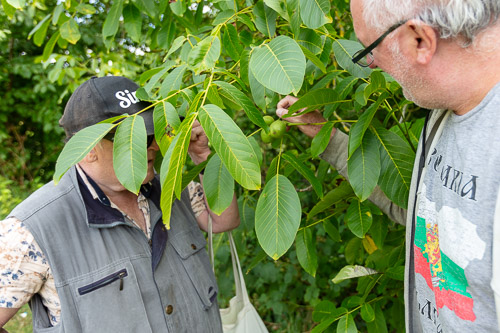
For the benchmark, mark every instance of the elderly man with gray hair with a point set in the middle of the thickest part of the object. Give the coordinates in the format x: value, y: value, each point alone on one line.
x: 444, y: 54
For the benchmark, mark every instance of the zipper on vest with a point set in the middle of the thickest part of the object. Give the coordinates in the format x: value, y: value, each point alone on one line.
x: 104, y: 282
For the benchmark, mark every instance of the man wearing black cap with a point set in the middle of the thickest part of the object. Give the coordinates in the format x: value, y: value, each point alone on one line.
x: 90, y: 256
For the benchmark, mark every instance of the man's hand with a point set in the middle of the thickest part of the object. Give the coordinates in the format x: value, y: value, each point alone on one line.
x: 313, y: 117
x: 198, y: 146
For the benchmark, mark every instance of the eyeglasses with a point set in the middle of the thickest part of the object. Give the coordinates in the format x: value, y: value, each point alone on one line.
x: 364, y: 57
x: 111, y: 137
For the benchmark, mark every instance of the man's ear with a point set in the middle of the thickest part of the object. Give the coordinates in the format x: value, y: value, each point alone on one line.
x: 422, y: 40
x: 91, y: 156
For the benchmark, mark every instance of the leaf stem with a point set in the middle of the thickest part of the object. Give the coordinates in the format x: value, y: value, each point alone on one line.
x: 317, y: 222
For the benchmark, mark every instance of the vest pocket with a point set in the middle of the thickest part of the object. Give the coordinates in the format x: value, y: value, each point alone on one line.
x: 110, y: 300
x: 190, y: 246
x: 120, y: 275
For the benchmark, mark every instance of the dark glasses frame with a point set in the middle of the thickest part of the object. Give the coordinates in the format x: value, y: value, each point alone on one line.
x: 368, y: 50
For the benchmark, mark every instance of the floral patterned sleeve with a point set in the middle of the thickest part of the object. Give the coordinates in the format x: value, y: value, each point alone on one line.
x: 197, y: 197
x: 23, y: 267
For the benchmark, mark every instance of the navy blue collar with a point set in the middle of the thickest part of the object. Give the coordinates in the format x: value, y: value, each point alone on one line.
x: 100, y: 213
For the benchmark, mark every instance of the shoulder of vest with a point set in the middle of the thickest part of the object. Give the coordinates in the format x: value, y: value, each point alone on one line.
x: 47, y: 196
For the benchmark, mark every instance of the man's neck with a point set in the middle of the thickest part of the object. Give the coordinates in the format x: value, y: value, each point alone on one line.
x: 476, y: 71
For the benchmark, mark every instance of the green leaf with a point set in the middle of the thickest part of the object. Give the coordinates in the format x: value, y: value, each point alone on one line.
x: 279, y: 6
x: 153, y: 81
x: 377, y: 81
x: 146, y: 6
x: 232, y: 146
x: 39, y: 25
x: 242, y: 85
x: 363, y: 167
x: 218, y: 185
x: 315, y: 99
x: 78, y: 147
x: 166, y: 35
x: 314, y: 59
x: 130, y: 153
x: 237, y: 97
x: 177, y: 43
x: 8, y: 9
x: 58, y: 10
x: 246, y: 20
x: 354, y: 251
x: 279, y: 65
x: 205, y: 54
x: 256, y: 149
x: 310, y: 40
x: 397, y: 165
x: 359, y: 218
x: 295, y: 22
x: 359, y: 128
x: 70, y: 31
x: 306, y: 251
x: 396, y: 273
x: 171, y: 168
x: 178, y: 7
x: 258, y: 91
x: 231, y: 42
x: 332, y: 230
x: 344, y: 87
x: 323, y: 325
x: 325, y: 310
x: 41, y: 33
x: 321, y: 140
x: 132, y: 20
x: 167, y: 171
x: 166, y: 123
x: 379, y: 325
x: 112, y: 21
x: 351, y: 272
x: 333, y: 197
x: 343, y: 50
x: 379, y: 230
x: 304, y: 171
x: 315, y: 13
x: 173, y: 81
x: 277, y: 216
x: 346, y: 324
x: 18, y: 4
x: 367, y: 313
x: 273, y: 168
x: 224, y: 17
x: 359, y: 95
x: 192, y: 174
x: 85, y: 9
x: 265, y: 19
x: 214, y: 97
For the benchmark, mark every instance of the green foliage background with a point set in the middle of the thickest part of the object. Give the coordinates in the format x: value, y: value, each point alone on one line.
x: 340, y: 265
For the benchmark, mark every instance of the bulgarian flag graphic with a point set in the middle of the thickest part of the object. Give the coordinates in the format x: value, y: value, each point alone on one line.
x: 443, y: 276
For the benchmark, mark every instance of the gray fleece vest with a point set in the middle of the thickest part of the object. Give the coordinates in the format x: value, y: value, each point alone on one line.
x: 109, y: 278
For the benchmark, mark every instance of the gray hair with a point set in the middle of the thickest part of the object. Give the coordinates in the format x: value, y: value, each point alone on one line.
x: 461, y: 19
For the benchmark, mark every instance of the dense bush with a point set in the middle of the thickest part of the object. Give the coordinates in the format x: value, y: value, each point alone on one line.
x: 334, y: 261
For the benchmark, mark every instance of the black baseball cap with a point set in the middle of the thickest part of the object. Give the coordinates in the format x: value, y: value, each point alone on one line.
x: 101, y: 98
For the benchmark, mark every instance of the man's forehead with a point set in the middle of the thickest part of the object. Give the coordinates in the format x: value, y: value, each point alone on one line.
x: 358, y: 20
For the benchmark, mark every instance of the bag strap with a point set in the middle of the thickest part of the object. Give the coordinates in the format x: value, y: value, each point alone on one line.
x: 210, y: 243
x: 239, y: 280
x: 426, y: 145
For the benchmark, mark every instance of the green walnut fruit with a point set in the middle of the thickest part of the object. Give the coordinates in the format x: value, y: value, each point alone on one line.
x: 277, y: 129
x: 266, y: 137
x: 268, y: 119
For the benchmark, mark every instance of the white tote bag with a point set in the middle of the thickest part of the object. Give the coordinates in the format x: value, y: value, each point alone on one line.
x: 240, y: 316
